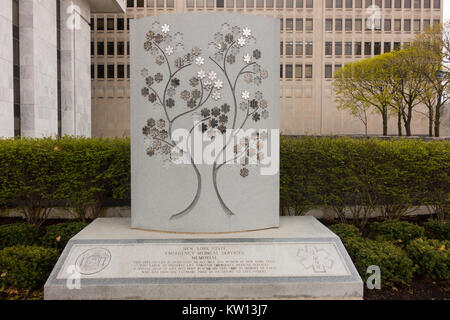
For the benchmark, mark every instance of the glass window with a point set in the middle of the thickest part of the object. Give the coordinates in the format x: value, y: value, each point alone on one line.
x: 299, y: 3
x: 110, y: 71
x: 288, y: 71
x: 328, y: 48
x: 328, y: 24
x: 427, y: 4
x: 140, y: 3
x: 171, y: 4
x: 249, y: 4
x: 358, y: 25
x: 289, y: 24
x: 378, y: 3
x: 437, y: 4
x: 298, y: 71
x: 289, y: 4
x: 339, y: 4
x: 260, y: 3
x: 337, y: 67
x: 338, y: 48
x: 398, y: 4
x: 299, y: 48
x: 281, y: 71
x: 92, y: 48
x: 130, y: 3
x: 329, y: 4
x: 397, y: 25
x: 110, y: 24
x: 367, y: 48
x: 417, y: 4
x: 289, y: 48
x: 397, y: 45
x: 110, y: 48
x: 387, y: 47
x: 309, y: 24
x: 357, y: 48
x: 120, y: 71
x: 189, y: 3
x: 338, y: 25
x: 92, y: 71
x: 358, y: 3
x: 120, y: 48
x: 426, y: 24
x: 387, y: 25
x: 299, y: 24
x: 279, y: 4
x: 388, y: 3
x: 348, y: 48
x: 348, y: 3
x: 281, y: 24
x: 100, y: 24
x: 269, y: 4
x: 407, y: 25
x: 368, y: 3
x: 100, y: 71
x: 377, y: 48
x: 309, y: 4
x: 281, y: 48
x: 308, y: 71
x: 120, y: 24
x: 416, y: 25
x: 100, y: 48
x: 407, y: 4
x: 309, y: 48
x: 348, y: 24
x: 328, y: 71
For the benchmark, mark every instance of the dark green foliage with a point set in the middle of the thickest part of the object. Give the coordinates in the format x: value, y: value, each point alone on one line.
x: 17, y: 234
x: 58, y: 235
x: 432, y: 257
x: 396, y: 268
x: 360, y: 175
x: 345, y: 231
x: 23, y: 267
x: 436, y: 229
x: 401, y: 232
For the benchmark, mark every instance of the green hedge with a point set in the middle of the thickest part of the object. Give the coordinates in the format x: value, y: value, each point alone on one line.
x: 401, y: 232
x: 17, y: 234
x: 345, y: 231
x: 432, y: 257
x: 26, y: 268
x: 435, y: 229
x: 59, y: 234
x: 341, y: 173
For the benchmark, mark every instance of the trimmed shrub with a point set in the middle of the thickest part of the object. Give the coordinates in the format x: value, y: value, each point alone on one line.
x: 396, y: 268
x: 345, y: 231
x: 26, y: 268
x: 58, y: 235
x: 435, y: 229
x: 432, y: 257
x: 17, y: 234
x: 400, y: 232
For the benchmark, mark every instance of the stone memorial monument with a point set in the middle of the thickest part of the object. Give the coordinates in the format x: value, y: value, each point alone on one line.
x: 205, y: 182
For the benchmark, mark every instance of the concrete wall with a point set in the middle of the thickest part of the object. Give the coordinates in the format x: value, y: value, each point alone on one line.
x: 38, y: 73
x: 6, y: 71
x: 75, y: 68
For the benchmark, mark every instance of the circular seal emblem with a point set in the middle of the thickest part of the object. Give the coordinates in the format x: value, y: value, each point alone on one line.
x: 93, y: 261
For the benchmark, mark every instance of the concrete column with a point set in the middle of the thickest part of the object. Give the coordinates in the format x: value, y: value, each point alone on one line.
x: 75, y: 68
x: 38, y: 70
x: 6, y: 70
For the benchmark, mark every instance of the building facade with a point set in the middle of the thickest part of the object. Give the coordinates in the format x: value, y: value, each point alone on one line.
x: 45, y: 83
x: 317, y: 38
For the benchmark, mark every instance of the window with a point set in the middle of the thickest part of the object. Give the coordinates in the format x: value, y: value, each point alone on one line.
x: 407, y: 25
x: 281, y: 71
x: 338, y: 25
x: 100, y: 24
x: 407, y: 4
x: 378, y: 3
x: 120, y: 71
x: 309, y: 48
x: 357, y: 48
x: 367, y: 48
x: 281, y: 48
x: 299, y: 48
x: 308, y: 71
x: 436, y: 21
x: 349, y: 3
x: 309, y: 24
x: 328, y: 24
x: 110, y: 48
x: 281, y: 24
x: 120, y: 24
x: 110, y: 71
x: 358, y: 3
x: 338, y: 48
x: 348, y: 25
x: 328, y: 71
x: 220, y: 3
x: 189, y: 3
x: 260, y: 4
x: 100, y: 71
x: 92, y: 48
x: 250, y: 4
x: 387, y: 47
x: 416, y: 25
x: 339, y: 4
x: 92, y: 71
x: 269, y: 4
x: 398, y: 4
x: 396, y: 45
x: 427, y: 4
x: 128, y: 23
x: 279, y: 4
x: 397, y: 25
x: 92, y: 24
x: 348, y: 48
x: 328, y: 48
x: 120, y: 48
x: 130, y: 3
x: 289, y: 48
x: 358, y: 25
x: 289, y: 24
x: 298, y: 4
x: 329, y: 4
x: 368, y: 3
x: 128, y: 71
x: 110, y: 24
x: 140, y: 3
x: 426, y: 24
x: 337, y: 67
x: 377, y: 48
x: 387, y: 25
x: 299, y: 24
x: 437, y: 4
x: 288, y: 71
x: 171, y: 4
x: 100, y: 48
x: 388, y: 4
x: 298, y: 71
x: 309, y: 4
x: 416, y: 4
x: 289, y: 4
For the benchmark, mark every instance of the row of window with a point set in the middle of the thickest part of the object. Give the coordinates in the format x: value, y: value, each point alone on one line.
x: 297, y: 71
x: 329, y: 70
x: 112, y: 48
x: 398, y: 4
x: 111, y: 71
x: 300, y: 48
x: 99, y: 24
x: 300, y: 24
x: 348, y: 48
x: 349, y: 24
x: 280, y: 4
